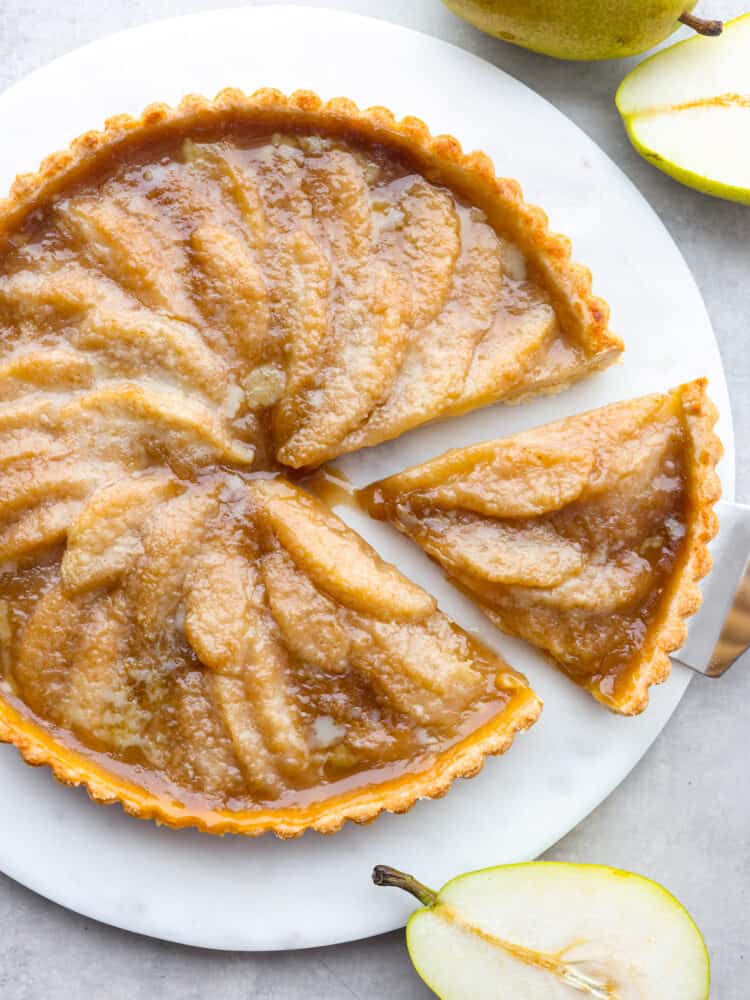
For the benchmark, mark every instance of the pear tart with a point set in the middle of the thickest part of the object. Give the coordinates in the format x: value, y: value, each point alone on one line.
x: 190, y: 302
x: 585, y: 537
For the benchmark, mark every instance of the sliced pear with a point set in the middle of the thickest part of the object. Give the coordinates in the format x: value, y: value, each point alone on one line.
x: 105, y: 537
x: 38, y: 528
x: 130, y: 247
x: 139, y: 340
x: 687, y: 111
x: 213, y: 161
x: 547, y: 929
x: 310, y: 621
x: 338, y: 191
x: 303, y: 291
x: 54, y: 369
x: 432, y: 243
x: 368, y: 357
x: 437, y: 361
x: 255, y: 761
x: 233, y: 291
x: 203, y: 748
x: 167, y: 420
x: 336, y: 560
x: 425, y: 671
x: 534, y: 555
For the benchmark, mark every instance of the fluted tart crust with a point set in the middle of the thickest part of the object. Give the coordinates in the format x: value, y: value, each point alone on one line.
x: 586, y: 537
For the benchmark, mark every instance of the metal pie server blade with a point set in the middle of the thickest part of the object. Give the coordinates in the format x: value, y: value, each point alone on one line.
x: 719, y: 633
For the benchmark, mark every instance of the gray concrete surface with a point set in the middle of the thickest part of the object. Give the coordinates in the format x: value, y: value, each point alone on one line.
x: 682, y: 817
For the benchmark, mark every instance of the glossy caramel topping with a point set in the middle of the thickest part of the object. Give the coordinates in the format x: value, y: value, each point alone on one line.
x: 570, y: 536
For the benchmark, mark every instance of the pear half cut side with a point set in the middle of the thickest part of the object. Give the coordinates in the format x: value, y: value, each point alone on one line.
x: 687, y: 111
x: 550, y: 929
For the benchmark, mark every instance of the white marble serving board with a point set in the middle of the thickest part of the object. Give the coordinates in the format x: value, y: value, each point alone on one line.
x: 266, y: 894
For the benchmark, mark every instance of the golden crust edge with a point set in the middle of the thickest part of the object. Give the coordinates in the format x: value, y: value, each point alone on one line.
x: 553, y: 250
x: 686, y: 598
x: 38, y: 748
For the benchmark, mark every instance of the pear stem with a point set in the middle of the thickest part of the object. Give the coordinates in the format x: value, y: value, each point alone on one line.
x: 701, y: 24
x: 383, y: 875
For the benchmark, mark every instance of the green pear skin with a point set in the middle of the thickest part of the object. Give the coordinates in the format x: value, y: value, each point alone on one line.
x: 581, y: 29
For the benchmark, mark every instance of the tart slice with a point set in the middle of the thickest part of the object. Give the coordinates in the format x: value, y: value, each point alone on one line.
x: 585, y: 537
x: 332, y: 277
x: 226, y: 653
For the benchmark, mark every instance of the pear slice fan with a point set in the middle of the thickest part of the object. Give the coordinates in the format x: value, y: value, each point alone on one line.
x: 687, y: 111
x: 546, y: 929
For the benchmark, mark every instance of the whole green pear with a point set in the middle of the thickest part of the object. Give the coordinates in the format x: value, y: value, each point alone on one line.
x: 582, y: 29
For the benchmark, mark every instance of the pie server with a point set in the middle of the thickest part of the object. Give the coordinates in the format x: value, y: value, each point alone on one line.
x: 719, y: 633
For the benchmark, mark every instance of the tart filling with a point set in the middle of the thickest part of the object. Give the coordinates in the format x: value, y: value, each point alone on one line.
x: 585, y: 537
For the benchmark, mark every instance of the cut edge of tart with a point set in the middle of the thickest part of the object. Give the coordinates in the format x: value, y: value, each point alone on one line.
x: 678, y: 599
x: 38, y: 747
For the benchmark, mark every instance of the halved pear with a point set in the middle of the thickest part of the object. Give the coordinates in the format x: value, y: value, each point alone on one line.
x: 546, y: 929
x: 687, y: 111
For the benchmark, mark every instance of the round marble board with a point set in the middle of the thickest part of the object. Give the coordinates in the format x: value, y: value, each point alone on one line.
x: 238, y: 893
